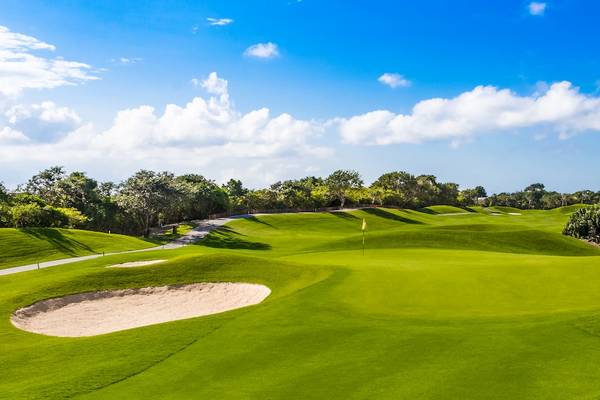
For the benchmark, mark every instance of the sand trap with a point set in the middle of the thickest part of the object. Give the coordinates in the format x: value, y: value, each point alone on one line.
x: 134, y: 264
x: 89, y: 314
x: 513, y: 213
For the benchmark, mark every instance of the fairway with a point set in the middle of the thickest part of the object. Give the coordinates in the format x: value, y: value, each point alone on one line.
x: 446, y: 303
x: 32, y: 245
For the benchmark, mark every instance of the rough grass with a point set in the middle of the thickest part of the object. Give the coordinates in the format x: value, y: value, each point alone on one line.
x: 440, y: 307
x: 27, y: 246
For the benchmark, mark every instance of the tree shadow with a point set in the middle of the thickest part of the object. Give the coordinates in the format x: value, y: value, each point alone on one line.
x: 252, y: 218
x: 57, y: 240
x: 226, y: 238
x: 388, y: 215
x: 427, y: 211
x: 343, y: 215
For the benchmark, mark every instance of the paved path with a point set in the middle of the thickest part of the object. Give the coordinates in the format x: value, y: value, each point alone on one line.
x: 192, y: 236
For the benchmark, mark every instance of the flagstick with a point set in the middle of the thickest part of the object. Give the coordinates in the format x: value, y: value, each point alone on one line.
x: 363, y: 242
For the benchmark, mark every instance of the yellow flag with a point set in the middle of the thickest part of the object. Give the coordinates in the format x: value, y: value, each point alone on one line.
x: 364, y: 225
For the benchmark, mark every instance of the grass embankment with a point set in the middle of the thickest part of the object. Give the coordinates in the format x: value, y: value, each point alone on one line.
x: 464, y: 306
x: 28, y: 246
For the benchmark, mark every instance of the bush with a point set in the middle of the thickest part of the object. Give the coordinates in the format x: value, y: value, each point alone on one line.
x: 585, y: 224
x: 34, y: 215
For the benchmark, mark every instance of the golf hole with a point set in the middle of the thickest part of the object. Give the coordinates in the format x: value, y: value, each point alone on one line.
x: 96, y: 313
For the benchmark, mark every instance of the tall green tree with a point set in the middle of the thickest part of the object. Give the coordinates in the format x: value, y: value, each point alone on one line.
x: 342, y: 181
x: 45, y: 184
x: 145, y: 195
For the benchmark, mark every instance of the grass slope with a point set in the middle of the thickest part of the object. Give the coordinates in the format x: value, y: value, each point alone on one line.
x: 465, y: 306
x: 27, y: 246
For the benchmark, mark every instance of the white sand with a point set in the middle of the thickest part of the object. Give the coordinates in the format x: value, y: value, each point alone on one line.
x: 134, y: 264
x: 89, y: 314
x: 513, y: 213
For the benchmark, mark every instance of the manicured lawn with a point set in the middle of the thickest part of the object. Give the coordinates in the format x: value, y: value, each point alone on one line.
x: 464, y: 306
x: 28, y: 246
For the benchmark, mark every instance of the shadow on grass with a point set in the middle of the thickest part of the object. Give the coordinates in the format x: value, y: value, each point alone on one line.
x: 343, y: 214
x: 427, y: 211
x: 252, y: 218
x: 388, y: 215
x: 57, y: 240
x: 226, y: 238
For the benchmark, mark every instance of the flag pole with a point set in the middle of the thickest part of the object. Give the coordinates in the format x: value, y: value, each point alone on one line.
x: 363, y: 242
x: 363, y: 229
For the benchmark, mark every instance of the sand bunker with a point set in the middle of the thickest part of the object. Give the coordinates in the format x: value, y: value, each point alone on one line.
x: 134, y: 264
x: 514, y: 213
x: 89, y: 314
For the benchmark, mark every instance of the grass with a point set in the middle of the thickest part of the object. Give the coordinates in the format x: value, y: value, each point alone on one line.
x: 28, y: 246
x: 442, y: 306
x: 167, y: 235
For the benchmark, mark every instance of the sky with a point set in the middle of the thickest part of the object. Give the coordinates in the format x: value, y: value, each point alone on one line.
x: 500, y: 94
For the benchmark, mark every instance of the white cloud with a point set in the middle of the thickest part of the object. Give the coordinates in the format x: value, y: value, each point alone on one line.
x: 126, y: 60
x: 562, y: 109
x: 262, y: 50
x: 536, y: 8
x: 8, y: 135
x: 219, y: 21
x: 207, y: 134
x: 20, y: 69
x: 213, y: 84
x: 393, y: 80
x: 45, y: 121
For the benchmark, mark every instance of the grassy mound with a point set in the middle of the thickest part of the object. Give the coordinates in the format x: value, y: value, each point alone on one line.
x: 27, y: 246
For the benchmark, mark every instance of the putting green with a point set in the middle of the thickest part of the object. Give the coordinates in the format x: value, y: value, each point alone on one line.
x: 443, y: 305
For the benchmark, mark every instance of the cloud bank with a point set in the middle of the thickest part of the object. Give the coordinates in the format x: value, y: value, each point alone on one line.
x: 562, y: 109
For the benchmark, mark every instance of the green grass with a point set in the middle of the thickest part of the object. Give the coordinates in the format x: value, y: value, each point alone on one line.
x: 463, y: 306
x: 28, y: 246
x: 167, y: 235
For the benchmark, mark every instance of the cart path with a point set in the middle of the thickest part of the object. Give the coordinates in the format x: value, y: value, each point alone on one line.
x: 196, y: 234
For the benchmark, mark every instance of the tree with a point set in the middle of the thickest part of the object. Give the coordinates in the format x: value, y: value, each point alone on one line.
x: 469, y: 197
x: 145, y: 195
x: 44, y: 184
x: 200, y: 197
x: 585, y: 224
x: 400, y: 188
x: 340, y: 182
x: 236, y: 192
x: 534, y: 194
x: 3, y: 193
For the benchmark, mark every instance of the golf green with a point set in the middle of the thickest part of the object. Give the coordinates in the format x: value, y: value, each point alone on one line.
x: 445, y: 303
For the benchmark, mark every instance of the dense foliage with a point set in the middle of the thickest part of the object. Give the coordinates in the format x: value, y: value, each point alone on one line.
x: 53, y: 198
x: 585, y: 224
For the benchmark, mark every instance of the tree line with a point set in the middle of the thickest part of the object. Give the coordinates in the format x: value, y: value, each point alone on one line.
x: 55, y: 198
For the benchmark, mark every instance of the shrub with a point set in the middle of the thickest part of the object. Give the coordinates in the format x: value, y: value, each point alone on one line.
x: 585, y: 224
x: 34, y: 215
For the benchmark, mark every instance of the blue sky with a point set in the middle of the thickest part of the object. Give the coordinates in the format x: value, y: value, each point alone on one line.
x: 318, y: 70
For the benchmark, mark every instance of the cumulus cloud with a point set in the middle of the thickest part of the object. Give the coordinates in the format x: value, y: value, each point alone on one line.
x: 219, y: 21
x: 213, y: 84
x: 561, y: 109
x: 20, y: 69
x: 206, y: 133
x: 536, y: 8
x: 262, y: 50
x: 393, y: 80
x: 45, y: 121
x: 9, y: 135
